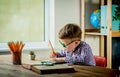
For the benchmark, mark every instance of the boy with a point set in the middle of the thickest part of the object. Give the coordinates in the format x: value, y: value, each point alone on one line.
x: 75, y: 51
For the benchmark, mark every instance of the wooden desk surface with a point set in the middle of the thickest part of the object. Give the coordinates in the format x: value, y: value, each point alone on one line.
x: 7, y: 69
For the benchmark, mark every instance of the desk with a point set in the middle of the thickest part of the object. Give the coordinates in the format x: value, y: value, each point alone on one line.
x: 7, y: 69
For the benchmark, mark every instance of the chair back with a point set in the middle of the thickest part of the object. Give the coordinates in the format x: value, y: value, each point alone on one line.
x: 100, y: 61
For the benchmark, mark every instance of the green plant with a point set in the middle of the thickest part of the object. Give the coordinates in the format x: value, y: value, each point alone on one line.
x: 32, y: 53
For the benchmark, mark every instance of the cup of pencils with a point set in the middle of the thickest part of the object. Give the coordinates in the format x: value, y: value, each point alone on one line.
x: 16, y: 51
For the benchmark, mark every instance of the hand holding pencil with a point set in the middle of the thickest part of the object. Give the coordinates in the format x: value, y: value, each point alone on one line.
x: 53, y: 53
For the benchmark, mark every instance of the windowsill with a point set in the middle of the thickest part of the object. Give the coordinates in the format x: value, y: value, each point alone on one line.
x: 28, y: 46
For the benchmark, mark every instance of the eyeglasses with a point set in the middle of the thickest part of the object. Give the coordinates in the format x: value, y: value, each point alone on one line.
x: 66, y: 44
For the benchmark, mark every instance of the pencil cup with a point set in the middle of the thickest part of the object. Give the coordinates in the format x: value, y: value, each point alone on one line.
x: 16, y: 56
x: 16, y: 51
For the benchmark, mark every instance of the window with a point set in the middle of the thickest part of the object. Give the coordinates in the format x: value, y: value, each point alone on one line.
x: 22, y: 20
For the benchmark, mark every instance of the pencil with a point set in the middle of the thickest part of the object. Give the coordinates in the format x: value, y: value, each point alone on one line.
x: 51, y: 46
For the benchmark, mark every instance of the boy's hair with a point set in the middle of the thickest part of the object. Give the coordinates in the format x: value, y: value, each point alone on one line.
x: 70, y: 31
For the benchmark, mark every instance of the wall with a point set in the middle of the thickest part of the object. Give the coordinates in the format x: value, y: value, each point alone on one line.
x: 61, y: 13
x: 66, y: 11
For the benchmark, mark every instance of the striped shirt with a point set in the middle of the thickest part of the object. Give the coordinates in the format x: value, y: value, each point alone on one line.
x: 81, y: 55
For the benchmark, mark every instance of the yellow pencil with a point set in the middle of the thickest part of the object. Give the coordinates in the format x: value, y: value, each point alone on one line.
x: 52, y: 47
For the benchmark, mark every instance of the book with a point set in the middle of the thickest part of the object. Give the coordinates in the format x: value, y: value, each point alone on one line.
x: 43, y: 69
x: 115, y: 23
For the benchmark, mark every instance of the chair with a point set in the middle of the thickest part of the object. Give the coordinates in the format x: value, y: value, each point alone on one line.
x: 100, y: 61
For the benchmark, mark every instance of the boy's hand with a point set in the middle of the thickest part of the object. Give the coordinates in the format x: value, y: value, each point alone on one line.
x: 53, y: 54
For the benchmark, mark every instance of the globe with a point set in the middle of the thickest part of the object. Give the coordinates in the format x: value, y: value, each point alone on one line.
x: 95, y: 18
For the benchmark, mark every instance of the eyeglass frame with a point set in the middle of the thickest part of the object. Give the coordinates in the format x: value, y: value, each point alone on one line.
x: 66, y: 44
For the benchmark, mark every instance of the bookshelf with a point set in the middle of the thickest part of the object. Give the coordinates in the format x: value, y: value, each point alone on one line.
x: 96, y: 32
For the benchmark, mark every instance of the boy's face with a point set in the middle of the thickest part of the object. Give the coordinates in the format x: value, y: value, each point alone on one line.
x: 69, y: 44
